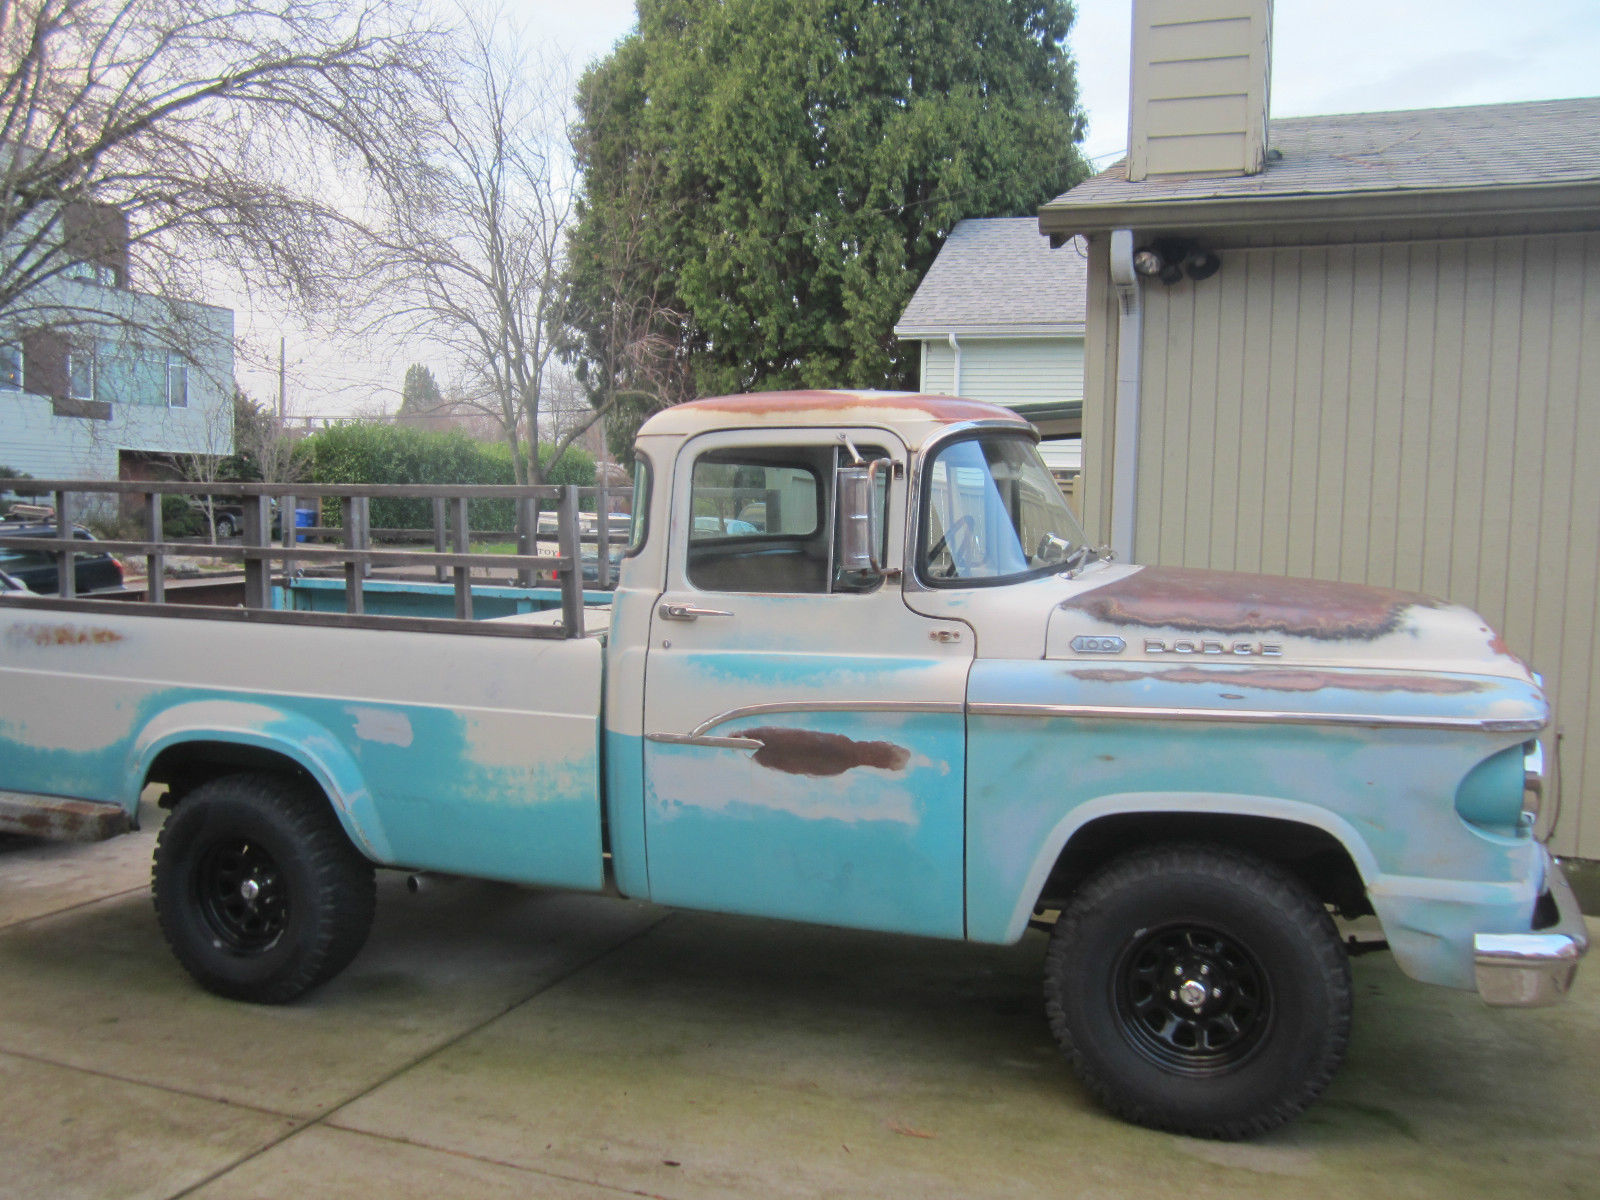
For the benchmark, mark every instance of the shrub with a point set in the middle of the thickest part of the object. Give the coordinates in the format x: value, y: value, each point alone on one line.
x: 370, y: 452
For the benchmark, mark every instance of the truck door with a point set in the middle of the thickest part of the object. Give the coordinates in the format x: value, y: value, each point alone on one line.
x: 805, y: 735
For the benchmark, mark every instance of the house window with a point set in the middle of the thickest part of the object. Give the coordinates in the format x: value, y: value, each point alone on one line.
x: 92, y: 273
x: 11, y: 368
x: 80, y: 374
x: 177, y: 382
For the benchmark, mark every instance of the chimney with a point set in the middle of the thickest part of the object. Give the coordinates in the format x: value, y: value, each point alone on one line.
x: 1199, y: 87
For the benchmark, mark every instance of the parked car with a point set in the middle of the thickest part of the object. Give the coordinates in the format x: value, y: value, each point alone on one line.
x: 36, y: 569
x: 229, y: 515
x: 722, y: 527
x: 619, y: 525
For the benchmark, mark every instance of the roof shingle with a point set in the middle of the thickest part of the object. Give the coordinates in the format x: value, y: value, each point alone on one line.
x: 1480, y: 146
x: 996, y: 275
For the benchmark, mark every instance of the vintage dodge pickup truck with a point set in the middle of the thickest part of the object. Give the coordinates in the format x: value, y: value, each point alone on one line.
x: 862, y: 668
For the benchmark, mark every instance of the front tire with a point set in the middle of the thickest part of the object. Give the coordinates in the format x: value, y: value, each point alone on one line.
x: 258, y: 891
x: 1199, y: 990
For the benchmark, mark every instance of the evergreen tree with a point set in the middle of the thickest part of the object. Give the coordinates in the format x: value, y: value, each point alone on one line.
x: 419, y: 393
x: 766, y: 181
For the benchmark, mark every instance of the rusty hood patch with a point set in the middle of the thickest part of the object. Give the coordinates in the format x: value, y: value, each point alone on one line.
x: 1224, y: 603
x: 1287, y: 679
x: 821, y: 755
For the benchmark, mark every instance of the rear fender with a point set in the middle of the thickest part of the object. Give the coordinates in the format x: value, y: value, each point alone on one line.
x: 263, y: 727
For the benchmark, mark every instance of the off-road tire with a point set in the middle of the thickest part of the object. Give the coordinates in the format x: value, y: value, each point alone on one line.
x: 1261, y: 1045
x: 258, y: 891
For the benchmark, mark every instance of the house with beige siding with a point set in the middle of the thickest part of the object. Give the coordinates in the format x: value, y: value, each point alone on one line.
x: 1362, y: 347
x: 1000, y: 317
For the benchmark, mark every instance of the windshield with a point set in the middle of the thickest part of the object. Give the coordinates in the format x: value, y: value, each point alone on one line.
x: 992, y: 513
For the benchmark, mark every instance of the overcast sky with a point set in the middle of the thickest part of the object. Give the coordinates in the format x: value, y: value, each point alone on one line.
x: 1349, y: 56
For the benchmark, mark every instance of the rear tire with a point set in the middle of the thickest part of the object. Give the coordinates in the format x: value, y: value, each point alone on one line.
x: 259, y: 892
x: 1199, y: 990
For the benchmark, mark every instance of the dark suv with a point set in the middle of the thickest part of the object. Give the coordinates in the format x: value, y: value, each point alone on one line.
x: 36, y: 569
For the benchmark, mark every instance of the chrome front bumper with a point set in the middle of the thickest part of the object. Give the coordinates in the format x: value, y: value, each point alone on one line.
x: 1527, y: 970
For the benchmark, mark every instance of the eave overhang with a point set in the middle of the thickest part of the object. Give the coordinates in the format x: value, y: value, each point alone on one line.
x: 1577, y: 202
x: 917, y: 333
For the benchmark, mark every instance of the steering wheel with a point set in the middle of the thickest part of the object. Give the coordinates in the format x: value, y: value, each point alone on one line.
x: 966, y: 528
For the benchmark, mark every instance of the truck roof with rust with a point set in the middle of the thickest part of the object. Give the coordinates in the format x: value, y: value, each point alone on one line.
x: 914, y: 415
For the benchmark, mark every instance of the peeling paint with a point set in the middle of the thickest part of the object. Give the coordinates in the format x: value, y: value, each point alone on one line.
x: 382, y: 725
x: 1220, y: 602
x: 821, y: 755
x: 39, y: 634
x: 1289, y: 680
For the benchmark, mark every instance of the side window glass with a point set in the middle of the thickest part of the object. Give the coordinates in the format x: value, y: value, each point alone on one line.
x: 756, y: 520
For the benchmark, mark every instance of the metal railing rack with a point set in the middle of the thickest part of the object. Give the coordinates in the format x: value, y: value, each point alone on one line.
x: 449, y: 556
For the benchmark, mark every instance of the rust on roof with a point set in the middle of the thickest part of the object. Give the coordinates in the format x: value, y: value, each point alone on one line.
x: 1222, y: 602
x: 938, y: 408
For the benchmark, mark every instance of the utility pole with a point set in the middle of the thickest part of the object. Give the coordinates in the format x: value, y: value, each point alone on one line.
x: 282, y: 411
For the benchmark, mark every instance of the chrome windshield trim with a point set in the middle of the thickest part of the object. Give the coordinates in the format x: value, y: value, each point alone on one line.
x: 794, y: 706
x: 1099, y: 712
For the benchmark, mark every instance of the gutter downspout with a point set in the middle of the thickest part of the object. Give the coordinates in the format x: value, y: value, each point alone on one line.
x: 955, y: 380
x: 1130, y: 346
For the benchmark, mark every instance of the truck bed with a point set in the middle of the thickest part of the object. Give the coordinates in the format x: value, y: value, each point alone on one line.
x: 442, y: 751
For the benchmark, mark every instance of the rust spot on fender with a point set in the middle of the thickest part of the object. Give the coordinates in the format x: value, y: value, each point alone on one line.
x: 806, y: 752
x: 1289, y: 680
x: 1224, y: 603
x: 62, y: 635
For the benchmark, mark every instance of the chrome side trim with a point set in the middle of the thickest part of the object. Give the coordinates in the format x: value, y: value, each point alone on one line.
x: 1098, y: 712
x: 831, y: 706
x: 717, y: 743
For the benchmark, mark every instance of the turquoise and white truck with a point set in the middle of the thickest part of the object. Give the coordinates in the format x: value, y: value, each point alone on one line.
x: 863, y: 668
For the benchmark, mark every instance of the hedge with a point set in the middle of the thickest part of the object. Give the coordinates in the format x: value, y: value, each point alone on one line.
x: 373, y: 452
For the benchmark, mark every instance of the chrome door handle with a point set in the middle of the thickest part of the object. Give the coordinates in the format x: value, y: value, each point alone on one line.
x: 688, y: 612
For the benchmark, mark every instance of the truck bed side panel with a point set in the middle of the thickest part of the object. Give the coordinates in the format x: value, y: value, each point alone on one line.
x: 440, y: 751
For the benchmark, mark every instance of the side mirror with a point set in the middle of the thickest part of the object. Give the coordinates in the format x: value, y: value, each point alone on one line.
x: 859, y: 535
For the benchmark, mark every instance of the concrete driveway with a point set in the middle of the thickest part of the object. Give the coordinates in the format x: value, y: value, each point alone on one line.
x: 498, y: 1042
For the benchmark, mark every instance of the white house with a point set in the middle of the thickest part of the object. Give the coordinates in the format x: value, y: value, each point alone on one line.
x: 1000, y: 317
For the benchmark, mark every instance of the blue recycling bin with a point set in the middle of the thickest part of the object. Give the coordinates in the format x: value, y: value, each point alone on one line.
x: 304, y: 518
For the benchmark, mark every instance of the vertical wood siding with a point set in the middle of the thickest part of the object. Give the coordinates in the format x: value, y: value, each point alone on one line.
x: 1423, y: 416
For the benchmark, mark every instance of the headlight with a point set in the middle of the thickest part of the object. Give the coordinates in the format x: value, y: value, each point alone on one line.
x: 1492, y: 795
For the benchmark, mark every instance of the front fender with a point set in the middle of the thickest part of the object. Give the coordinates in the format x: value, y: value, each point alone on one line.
x: 1008, y: 926
x: 264, y: 727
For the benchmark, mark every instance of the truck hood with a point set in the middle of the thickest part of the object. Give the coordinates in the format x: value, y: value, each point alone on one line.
x: 1181, y: 618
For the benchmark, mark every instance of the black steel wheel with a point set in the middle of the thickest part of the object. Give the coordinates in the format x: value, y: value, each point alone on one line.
x: 258, y: 891
x: 1192, y: 999
x: 1200, y: 990
x: 240, y: 892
